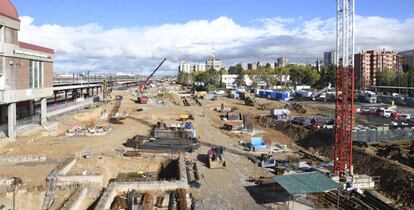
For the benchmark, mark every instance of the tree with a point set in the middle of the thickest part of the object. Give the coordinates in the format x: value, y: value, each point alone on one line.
x: 304, y: 75
x: 185, y: 78
x: 384, y: 77
x: 327, y: 76
x: 240, y: 78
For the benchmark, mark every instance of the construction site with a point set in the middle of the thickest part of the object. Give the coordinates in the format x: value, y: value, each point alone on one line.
x: 191, y: 153
x: 157, y: 144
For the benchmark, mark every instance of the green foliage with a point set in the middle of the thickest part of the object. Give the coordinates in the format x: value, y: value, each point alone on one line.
x: 384, y: 77
x: 303, y: 75
x: 185, y: 78
x: 327, y: 76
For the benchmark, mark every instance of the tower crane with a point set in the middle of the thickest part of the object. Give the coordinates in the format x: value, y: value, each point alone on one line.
x: 344, y: 106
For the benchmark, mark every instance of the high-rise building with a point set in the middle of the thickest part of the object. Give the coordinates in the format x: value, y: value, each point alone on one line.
x: 185, y: 67
x: 199, y: 67
x: 26, y: 73
x: 329, y: 58
x: 252, y: 66
x: 282, y: 62
x: 189, y: 68
x: 370, y: 64
x: 213, y: 63
x: 407, y: 60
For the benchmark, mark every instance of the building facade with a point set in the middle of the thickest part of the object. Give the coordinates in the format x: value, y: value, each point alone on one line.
x: 26, y: 73
x: 252, y: 66
x: 190, y: 68
x: 213, y: 63
x: 370, y: 64
x: 407, y: 60
x: 282, y: 62
x: 329, y: 58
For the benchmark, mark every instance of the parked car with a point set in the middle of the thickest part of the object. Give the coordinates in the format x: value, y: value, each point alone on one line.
x: 405, y: 116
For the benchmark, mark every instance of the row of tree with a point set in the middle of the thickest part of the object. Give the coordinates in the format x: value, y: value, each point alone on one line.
x: 270, y: 76
x: 299, y: 75
x: 387, y: 77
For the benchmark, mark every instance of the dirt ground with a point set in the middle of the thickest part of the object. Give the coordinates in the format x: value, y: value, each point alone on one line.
x: 220, y: 188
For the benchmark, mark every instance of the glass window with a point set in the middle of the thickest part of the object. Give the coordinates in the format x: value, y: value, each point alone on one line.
x: 31, y: 72
x: 35, y: 74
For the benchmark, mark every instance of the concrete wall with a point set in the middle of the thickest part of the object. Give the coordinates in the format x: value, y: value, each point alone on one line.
x: 70, y: 108
x: 116, y: 188
x: 79, y: 179
x: 48, y: 74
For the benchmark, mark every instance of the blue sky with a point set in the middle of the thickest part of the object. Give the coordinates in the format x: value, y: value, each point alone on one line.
x: 133, y: 36
x: 119, y: 13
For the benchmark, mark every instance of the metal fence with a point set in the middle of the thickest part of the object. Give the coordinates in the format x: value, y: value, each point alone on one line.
x: 381, y: 134
x: 32, y: 120
x: 87, y: 101
x: 376, y: 136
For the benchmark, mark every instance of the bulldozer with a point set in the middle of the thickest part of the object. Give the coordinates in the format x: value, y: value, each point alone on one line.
x: 216, y: 158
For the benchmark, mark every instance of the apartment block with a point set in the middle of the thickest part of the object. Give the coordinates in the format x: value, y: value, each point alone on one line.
x: 370, y: 64
x: 282, y: 62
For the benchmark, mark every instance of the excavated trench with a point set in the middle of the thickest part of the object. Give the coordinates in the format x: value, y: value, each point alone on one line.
x: 396, y: 182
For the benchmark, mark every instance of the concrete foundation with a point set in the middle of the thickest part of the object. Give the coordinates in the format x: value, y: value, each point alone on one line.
x: 79, y: 179
x: 67, y: 166
x: 115, y: 188
x: 75, y: 202
x: 23, y: 159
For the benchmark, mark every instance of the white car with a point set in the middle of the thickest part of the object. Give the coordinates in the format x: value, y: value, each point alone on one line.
x: 405, y: 116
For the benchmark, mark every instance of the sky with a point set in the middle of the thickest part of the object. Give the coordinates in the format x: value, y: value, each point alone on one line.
x: 134, y: 36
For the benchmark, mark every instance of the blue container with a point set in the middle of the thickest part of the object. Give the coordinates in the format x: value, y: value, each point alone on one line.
x: 262, y: 93
x: 273, y: 96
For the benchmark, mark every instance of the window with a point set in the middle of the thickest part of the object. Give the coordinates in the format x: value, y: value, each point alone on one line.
x: 35, y: 74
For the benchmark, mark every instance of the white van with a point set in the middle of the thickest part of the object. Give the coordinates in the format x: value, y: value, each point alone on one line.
x: 385, y: 112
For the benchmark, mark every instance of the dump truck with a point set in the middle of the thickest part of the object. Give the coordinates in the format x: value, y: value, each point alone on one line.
x: 216, y: 158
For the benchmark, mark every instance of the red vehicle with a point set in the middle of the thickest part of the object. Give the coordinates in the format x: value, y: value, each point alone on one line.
x: 396, y: 115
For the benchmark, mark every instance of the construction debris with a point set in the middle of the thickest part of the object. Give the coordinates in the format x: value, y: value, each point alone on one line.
x: 97, y: 130
x: 23, y: 159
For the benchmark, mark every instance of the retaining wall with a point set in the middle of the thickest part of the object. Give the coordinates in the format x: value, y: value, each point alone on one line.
x: 79, y: 179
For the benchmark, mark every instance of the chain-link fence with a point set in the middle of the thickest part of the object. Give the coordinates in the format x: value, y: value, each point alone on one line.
x: 32, y: 120
x: 373, y: 136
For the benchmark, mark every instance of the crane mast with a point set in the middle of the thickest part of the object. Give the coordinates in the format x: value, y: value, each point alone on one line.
x: 344, y: 106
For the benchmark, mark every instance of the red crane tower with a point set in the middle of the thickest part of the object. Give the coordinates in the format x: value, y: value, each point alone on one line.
x: 344, y: 110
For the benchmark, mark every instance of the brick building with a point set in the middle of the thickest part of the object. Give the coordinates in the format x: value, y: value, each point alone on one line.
x: 26, y: 74
x: 370, y: 64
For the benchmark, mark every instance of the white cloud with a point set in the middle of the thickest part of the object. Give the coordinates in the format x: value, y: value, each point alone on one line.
x: 139, y: 49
